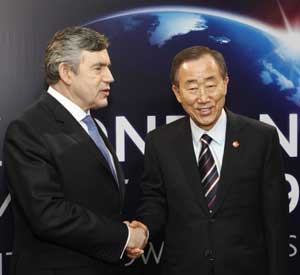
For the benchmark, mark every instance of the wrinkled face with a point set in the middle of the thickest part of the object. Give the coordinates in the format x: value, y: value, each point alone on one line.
x: 201, y: 90
x: 90, y: 85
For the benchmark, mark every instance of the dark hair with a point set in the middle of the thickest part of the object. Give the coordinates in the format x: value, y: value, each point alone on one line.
x: 66, y: 47
x: 194, y: 53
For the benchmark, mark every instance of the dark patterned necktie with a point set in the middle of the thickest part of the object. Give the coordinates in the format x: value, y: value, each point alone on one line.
x: 208, y: 171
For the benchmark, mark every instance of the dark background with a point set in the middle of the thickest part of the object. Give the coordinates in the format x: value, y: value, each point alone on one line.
x: 26, y: 27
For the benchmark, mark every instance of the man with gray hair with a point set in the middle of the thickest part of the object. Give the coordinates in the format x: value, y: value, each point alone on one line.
x: 65, y: 180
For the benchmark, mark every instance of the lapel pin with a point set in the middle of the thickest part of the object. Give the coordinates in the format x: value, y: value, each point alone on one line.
x: 235, y: 144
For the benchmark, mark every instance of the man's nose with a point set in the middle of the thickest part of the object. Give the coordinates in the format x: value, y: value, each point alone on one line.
x: 108, y: 77
x: 202, y: 95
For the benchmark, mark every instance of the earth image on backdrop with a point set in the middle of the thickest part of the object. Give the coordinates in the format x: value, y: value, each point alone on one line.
x: 264, y: 75
x: 264, y: 71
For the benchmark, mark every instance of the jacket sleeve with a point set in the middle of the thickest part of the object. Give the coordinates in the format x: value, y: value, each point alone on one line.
x: 153, y: 207
x: 275, y: 208
x: 32, y: 179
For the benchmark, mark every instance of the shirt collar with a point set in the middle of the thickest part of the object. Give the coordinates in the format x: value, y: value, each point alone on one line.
x: 217, y: 133
x: 74, y: 109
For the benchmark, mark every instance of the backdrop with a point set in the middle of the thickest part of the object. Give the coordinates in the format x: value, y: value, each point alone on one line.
x: 259, y: 39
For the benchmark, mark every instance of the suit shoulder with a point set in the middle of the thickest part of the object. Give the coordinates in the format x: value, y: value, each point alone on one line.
x: 34, y: 110
x: 254, y: 124
x: 255, y: 127
x: 168, y: 129
x: 30, y: 118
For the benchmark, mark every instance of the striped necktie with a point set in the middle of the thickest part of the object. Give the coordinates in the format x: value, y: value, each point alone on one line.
x: 208, y: 171
x: 96, y: 137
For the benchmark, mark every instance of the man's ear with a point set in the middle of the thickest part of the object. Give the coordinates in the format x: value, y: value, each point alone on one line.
x: 65, y: 72
x: 226, y: 80
x: 176, y: 92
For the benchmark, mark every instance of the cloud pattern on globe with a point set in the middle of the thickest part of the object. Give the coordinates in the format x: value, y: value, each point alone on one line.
x: 282, y: 73
x: 254, y: 56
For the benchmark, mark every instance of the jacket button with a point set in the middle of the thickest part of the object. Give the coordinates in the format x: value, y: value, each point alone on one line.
x: 208, y: 253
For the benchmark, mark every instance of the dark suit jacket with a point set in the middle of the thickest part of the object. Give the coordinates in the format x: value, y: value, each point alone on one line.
x: 246, y: 233
x: 66, y: 203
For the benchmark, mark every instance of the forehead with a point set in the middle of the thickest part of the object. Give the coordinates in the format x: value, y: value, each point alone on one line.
x: 88, y: 57
x: 201, y: 68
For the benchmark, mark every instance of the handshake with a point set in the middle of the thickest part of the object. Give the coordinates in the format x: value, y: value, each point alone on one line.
x: 138, y: 239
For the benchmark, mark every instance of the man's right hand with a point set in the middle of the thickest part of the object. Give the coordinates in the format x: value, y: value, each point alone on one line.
x: 138, y: 239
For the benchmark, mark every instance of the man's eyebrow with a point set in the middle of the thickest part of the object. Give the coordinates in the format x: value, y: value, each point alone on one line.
x: 191, y: 81
x: 101, y: 64
x: 210, y: 78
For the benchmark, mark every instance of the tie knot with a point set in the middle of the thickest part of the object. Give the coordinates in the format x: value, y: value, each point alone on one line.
x: 89, y: 122
x: 206, y: 139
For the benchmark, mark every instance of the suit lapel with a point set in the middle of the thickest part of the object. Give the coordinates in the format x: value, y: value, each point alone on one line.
x: 185, y: 152
x: 72, y: 128
x: 231, y: 158
x: 186, y: 155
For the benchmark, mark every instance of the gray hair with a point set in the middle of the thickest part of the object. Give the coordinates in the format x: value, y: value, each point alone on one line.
x: 66, y: 46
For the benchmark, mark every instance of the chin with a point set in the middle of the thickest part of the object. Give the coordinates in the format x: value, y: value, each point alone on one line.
x: 204, y: 124
x: 99, y: 105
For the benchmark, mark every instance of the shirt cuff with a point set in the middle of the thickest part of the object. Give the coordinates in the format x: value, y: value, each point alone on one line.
x: 147, y: 235
x: 128, y: 238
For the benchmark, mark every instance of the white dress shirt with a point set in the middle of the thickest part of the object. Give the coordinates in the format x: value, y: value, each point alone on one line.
x: 217, y: 133
x: 79, y: 115
x: 76, y: 112
x: 73, y: 109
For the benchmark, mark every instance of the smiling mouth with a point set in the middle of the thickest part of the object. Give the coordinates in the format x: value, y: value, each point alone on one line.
x: 205, y: 111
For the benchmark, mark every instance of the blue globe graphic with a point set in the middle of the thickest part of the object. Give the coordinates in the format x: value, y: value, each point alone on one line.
x: 264, y: 76
x: 143, y: 43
